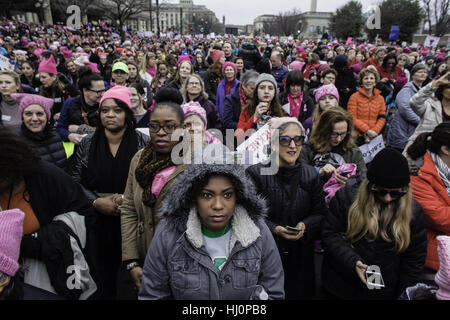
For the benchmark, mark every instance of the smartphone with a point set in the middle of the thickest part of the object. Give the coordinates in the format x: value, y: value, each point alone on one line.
x: 293, y: 229
x: 345, y: 173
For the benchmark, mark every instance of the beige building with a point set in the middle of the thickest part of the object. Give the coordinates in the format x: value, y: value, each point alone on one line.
x: 314, y: 24
x: 258, y: 22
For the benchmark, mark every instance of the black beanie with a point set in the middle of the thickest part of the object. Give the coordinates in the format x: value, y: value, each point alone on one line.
x: 389, y: 169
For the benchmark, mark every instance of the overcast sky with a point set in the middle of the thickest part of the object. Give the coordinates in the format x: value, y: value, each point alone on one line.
x: 243, y: 12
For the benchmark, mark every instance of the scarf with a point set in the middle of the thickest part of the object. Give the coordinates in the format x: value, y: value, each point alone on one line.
x: 228, y: 86
x: 244, y: 100
x: 295, y: 106
x: 105, y: 173
x: 442, y: 169
x: 151, y: 70
x: 150, y: 164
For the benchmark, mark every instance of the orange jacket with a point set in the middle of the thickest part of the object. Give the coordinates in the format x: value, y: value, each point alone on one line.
x: 429, y: 190
x: 369, y: 113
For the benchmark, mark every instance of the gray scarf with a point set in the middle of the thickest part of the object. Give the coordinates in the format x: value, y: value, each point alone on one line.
x: 442, y: 169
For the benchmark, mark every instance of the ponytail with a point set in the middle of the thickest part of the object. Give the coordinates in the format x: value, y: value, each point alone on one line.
x: 419, y: 146
x: 432, y: 141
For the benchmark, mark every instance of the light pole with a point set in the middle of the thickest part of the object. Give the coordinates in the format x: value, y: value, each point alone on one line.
x: 181, y: 19
x: 151, y: 19
x: 157, y: 19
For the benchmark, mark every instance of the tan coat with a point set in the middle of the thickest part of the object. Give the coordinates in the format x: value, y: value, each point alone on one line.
x: 138, y: 221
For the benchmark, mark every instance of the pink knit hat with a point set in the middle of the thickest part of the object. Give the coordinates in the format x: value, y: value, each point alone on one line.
x: 118, y: 92
x: 229, y: 64
x: 194, y: 107
x: 216, y: 54
x: 67, y: 53
x: 93, y: 66
x: 25, y: 99
x: 38, y: 52
x: 184, y: 58
x: 48, y: 66
x: 11, y: 229
x: 442, y: 277
x: 297, y: 65
x: 327, y: 89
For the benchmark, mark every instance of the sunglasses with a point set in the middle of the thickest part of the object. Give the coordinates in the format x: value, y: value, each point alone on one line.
x: 285, y: 141
x: 393, y: 194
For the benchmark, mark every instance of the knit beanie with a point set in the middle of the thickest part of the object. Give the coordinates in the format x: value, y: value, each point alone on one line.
x: 389, y: 169
x: 297, y: 65
x: 11, y: 229
x: 48, y: 66
x: 327, y: 89
x: 120, y: 93
x: 265, y: 77
x: 25, y: 99
x: 417, y: 67
x: 407, y: 50
x: 229, y: 64
x: 194, y: 107
x: 216, y: 54
x: 442, y: 277
x: 184, y: 58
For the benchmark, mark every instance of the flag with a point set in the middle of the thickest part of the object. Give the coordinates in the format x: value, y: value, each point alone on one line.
x: 395, y: 32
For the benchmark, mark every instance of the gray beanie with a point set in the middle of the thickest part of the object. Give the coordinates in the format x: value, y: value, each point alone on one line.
x: 417, y: 67
x: 266, y: 77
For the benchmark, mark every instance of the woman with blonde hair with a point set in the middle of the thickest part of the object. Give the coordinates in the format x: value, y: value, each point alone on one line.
x: 162, y: 75
x: 9, y: 108
x: 194, y: 90
x: 374, y: 225
x: 147, y: 68
x: 184, y: 69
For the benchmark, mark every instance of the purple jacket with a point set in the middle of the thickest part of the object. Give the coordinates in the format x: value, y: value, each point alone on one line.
x: 220, y: 95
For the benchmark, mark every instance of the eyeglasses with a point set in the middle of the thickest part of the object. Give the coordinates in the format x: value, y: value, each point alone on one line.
x: 393, y: 194
x: 168, y: 128
x: 285, y: 141
x: 335, y: 135
x: 98, y: 91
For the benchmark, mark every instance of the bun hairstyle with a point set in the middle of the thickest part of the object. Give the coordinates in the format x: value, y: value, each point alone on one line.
x: 172, y: 98
x: 432, y: 141
x: 86, y: 76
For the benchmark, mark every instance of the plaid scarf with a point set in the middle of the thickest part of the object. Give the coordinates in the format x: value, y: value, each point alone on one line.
x: 244, y: 100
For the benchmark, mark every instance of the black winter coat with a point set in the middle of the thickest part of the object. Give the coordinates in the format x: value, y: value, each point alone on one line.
x: 345, y: 79
x: 399, y: 271
x: 231, y: 110
x: 48, y: 144
x: 288, y: 208
x: 250, y: 54
x: 306, y: 109
x: 211, y: 83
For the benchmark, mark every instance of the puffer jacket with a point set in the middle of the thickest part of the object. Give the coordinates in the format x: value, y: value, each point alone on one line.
x: 138, y: 221
x: 429, y: 190
x: 287, y: 207
x: 429, y: 110
x: 399, y: 271
x: 404, y: 120
x: 369, y: 113
x: 48, y: 145
x: 81, y: 161
x: 250, y: 54
x: 178, y: 266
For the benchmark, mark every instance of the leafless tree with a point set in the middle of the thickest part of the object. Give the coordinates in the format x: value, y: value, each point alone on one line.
x: 437, y: 16
x: 284, y: 24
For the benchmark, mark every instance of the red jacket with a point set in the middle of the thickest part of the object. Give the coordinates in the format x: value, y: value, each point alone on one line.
x: 429, y: 190
x: 397, y: 74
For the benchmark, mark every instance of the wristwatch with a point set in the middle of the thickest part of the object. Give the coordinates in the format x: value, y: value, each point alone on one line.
x: 132, y: 265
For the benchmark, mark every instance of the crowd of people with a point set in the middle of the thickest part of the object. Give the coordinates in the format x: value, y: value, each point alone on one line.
x: 94, y: 204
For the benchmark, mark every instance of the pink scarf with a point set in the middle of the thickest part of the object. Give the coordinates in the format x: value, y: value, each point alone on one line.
x: 152, y: 70
x: 295, y: 106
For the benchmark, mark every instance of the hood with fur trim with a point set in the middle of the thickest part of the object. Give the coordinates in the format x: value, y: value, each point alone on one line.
x: 177, y: 205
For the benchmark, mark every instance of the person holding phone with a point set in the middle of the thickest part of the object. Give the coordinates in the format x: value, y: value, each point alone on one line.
x: 296, y: 206
x: 374, y: 223
x: 331, y: 145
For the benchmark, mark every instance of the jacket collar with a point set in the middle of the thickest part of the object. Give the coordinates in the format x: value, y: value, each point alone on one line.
x: 376, y: 92
x: 243, y: 229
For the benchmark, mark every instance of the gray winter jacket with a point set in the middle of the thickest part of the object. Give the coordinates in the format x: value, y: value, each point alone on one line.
x: 177, y: 265
x: 404, y: 121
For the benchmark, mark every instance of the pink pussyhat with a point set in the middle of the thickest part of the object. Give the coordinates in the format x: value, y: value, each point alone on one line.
x: 194, y: 107
x: 38, y: 52
x: 11, y: 229
x: 442, y: 277
x: 120, y: 93
x: 216, y: 54
x: 25, y: 99
x: 92, y: 66
x: 327, y: 89
x: 229, y: 64
x: 48, y: 66
x: 184, y: 58
x: 297, y: 65
x: 67, y: 53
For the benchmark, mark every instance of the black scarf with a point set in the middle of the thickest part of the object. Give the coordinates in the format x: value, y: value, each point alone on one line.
x: 108, y: 174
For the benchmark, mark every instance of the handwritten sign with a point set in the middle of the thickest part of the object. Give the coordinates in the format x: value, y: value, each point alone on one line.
x: 369, y: 150
x: 431, y: 41
x: 258, y: 144
x: 4, y: 63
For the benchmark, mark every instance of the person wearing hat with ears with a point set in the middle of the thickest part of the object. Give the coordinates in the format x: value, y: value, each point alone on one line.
x: 35, y: 112
x: 227, y: 86
x: 374, y: 221
x: 214, y: 74
x: 101, y: 166
x: 11, y: 229
x: 404, y: 120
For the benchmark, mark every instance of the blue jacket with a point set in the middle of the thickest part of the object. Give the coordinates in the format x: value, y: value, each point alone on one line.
x: 231, y: 110
x: 404, y: 121
x: 280, y: 74
x: 220, y: 95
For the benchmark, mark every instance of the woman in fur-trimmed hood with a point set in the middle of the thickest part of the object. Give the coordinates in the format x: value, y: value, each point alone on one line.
x: 213, y: 243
